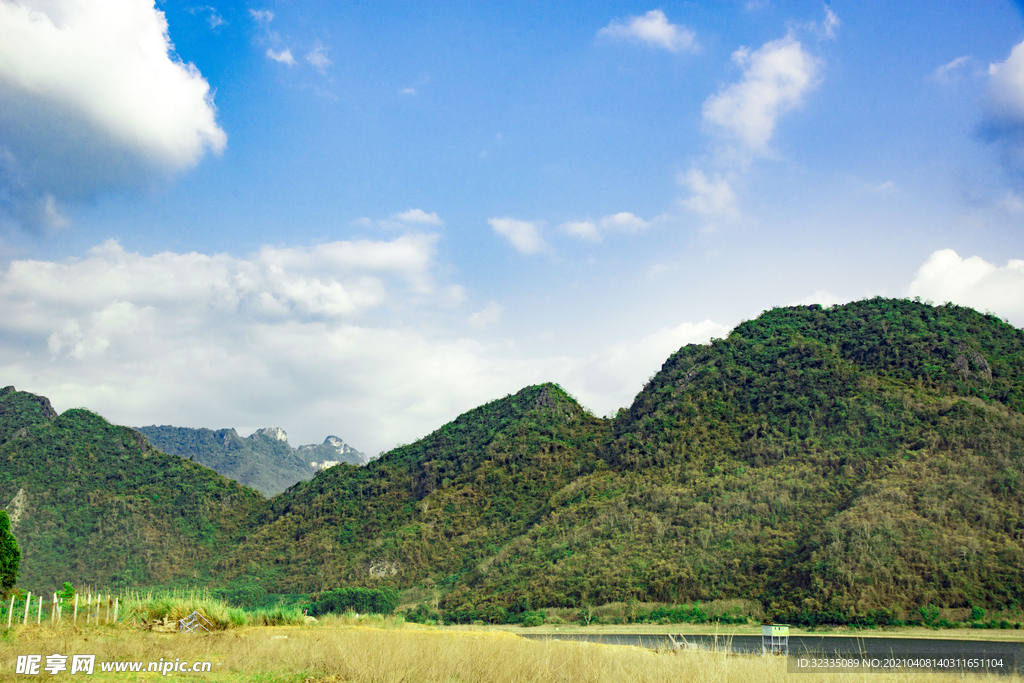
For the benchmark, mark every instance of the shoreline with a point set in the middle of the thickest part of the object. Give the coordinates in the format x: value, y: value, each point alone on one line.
x: 981, y: 635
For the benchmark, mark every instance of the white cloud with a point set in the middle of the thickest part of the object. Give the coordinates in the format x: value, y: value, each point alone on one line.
x: 91, y: 99
x: 408, y: 91
x: 419, y: 216
x: 1004, y: 109
x: 973, y: 282
x: 881, y: 188
x: 284, y: 56
x: 285, y: 337
x: 584, y: 230
x: 949, y: 72
x: 624, y: 221
x: 611, y: 378
x: 822, y: 297
x: 653, y: 29
x: 830, y: 24
x: 488, y: 316
x: 712, y: 199
x: 138, y: 337
x: 261, y: 16
x: 523, y: 235
x: 775, y: 79
x: 318, y: 57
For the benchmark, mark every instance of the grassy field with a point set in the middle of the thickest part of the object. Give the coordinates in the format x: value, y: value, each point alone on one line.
x: 377, y: 650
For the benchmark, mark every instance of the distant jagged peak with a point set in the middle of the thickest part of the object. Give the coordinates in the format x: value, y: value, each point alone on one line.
x: 272, y: 433
x: 334, y: 451
x: 336, y: 442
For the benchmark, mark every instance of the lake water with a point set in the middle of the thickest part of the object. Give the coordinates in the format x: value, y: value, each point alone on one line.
x: 1012, y: 653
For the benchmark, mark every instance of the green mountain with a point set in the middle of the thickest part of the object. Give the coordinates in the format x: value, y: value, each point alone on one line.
x: 860, y: 458
x: 93, y: 503
x: 429, y: 510
x: 867, y: 458
x: 263, y: 461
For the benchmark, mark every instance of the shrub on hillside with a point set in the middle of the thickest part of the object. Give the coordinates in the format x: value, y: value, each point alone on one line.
x: 359, y: 600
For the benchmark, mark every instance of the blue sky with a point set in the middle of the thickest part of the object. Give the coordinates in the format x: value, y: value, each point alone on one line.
x: 365, y: 218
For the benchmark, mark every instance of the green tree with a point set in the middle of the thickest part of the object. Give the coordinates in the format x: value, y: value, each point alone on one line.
x: 10, y: 554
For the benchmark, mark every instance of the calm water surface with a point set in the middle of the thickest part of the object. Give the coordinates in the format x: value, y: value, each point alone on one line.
x: 828, y: 646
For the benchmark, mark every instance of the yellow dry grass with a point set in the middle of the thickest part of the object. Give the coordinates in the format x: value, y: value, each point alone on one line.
x: 333, y: 651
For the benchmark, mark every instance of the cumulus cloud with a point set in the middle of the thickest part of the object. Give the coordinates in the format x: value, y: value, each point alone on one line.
x: 116, y: 330
x: 775, y: 79
x: 584, y: 230
x: 624, y: 221
x: 973, y: 282
x: 284, y: 56
x: 523, y: 235
x: 1003, y: 122
x: 486, y: 317
x: 713, y: 199
x: 419, y: 216
x: 288, y: 337
x: 652, y: 29
x: 91, y: 99
x: 611, y: 378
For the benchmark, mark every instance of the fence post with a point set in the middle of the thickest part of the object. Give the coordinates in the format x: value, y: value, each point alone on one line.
x: 53, y: 611
x: 75, y: 622
x: 10, y: 612
x: 88, y: 607
x: 115, y: 608
x: 39, y: 612
x: 28, y: 603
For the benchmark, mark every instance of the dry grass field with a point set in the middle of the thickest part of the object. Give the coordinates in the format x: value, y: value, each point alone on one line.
x: 387, y: 651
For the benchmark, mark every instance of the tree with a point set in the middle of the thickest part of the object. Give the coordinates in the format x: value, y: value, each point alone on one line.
x: 10, y: 554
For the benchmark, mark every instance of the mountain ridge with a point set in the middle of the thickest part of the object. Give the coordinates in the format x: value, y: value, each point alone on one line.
x: 828, y: 463
x: 264, y: 460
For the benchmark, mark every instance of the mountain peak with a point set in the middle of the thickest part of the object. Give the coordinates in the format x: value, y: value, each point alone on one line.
x: 272, y: 433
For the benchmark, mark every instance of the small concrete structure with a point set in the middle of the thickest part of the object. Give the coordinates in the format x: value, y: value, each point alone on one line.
x: 775, y: 639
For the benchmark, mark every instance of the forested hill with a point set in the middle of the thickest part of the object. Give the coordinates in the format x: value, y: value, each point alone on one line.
x: 866, y: 458
x: 841, y: 460
x: 429, y: 510
x: 93, y: 503
x: 863, y: 457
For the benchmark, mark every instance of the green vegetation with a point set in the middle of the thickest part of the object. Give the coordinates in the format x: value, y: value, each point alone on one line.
x: 862, y: 464
x: 94, y: 501
x: 358, y: 600
x: 161, y: 608
x: 10, y: 555
x: 428, y: 512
